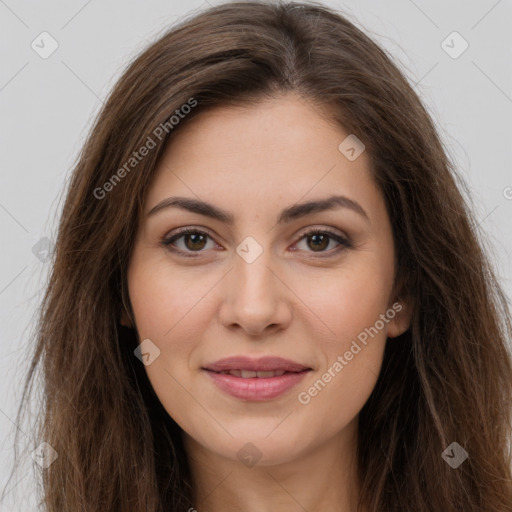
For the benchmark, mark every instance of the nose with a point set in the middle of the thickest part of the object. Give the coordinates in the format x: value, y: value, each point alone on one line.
x: 256, y: 300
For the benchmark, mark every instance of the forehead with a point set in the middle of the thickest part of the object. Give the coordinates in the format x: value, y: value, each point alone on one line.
x: 287, y: 124
x: 276, y: 151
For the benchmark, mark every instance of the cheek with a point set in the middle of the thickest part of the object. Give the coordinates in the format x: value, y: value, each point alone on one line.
x: 347, y: 300
x: 170, y: 309
x: 334, y: 400
x: 350, y: 306
x: 164, y: 298
x: 350, y: 365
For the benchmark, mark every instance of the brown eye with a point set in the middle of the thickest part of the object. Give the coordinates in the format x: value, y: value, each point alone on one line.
x: 194, y: 241
x: 317, y: 241
x: 191, y: 240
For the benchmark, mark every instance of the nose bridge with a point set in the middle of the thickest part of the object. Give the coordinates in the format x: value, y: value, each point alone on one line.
x: 253, y: 281
x: 255, y: 299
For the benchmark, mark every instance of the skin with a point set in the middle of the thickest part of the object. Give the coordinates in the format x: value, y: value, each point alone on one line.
x: 296, y: 300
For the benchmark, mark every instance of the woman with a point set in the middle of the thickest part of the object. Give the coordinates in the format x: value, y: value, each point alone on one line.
x: 268, y: 292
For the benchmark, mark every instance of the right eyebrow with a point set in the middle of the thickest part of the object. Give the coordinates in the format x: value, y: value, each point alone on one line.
x: 288, y: 214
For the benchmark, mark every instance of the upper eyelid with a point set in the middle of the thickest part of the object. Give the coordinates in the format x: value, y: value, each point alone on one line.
x: 331, y: 231
x: 301, y: 232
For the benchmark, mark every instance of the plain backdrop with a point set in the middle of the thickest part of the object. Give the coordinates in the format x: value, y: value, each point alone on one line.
x: 47, y: 105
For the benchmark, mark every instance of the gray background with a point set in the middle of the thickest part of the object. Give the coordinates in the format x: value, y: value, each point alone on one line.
x: 47, y: 106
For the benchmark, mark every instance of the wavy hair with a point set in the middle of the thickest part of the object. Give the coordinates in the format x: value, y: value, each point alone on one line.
x: 447, y: 378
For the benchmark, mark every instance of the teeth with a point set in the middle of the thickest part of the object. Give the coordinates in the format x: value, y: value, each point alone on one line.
x: 249, y: 374
x: 263, y: 375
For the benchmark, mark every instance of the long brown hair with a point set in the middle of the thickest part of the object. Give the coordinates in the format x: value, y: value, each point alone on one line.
x: 447, y: 379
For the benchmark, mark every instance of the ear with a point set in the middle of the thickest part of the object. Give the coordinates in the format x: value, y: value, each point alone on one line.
x: 400, y: 313
x: 401, y: 303
x: 125, y: 320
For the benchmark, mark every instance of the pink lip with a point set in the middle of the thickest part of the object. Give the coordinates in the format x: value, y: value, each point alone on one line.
x: 256, y: 389
x: 267, y: 363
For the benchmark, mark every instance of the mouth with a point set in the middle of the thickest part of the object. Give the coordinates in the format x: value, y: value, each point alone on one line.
x: 250, y: 374
x: 256, y: 379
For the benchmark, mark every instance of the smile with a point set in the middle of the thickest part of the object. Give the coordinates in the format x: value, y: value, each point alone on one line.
x: 255, y: 379
x: 249, y: 374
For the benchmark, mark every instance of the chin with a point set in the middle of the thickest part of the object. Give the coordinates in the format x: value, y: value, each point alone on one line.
x: 257, y: 442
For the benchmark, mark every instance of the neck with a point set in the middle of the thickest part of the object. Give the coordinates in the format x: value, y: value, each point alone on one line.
x: 323, y: 478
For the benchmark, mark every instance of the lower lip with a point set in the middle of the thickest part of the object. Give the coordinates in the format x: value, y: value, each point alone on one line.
x: 256, y: 389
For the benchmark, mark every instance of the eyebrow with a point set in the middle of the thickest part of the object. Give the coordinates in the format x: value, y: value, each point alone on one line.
x: 293, y: 212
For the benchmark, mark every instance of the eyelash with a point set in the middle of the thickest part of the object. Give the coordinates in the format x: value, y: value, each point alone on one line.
x: 344, y: 243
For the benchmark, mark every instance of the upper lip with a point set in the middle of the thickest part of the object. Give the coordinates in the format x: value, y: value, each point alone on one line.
x: 267, y: 363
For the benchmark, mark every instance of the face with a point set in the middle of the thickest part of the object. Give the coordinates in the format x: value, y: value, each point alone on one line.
x: 259, y: 277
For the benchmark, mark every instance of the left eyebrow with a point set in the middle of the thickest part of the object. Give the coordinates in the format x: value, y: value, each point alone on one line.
x: 288, y: 214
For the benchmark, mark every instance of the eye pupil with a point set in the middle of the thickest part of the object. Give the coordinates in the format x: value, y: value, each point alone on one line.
x: 195, y: 237
x: 315, y: 238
